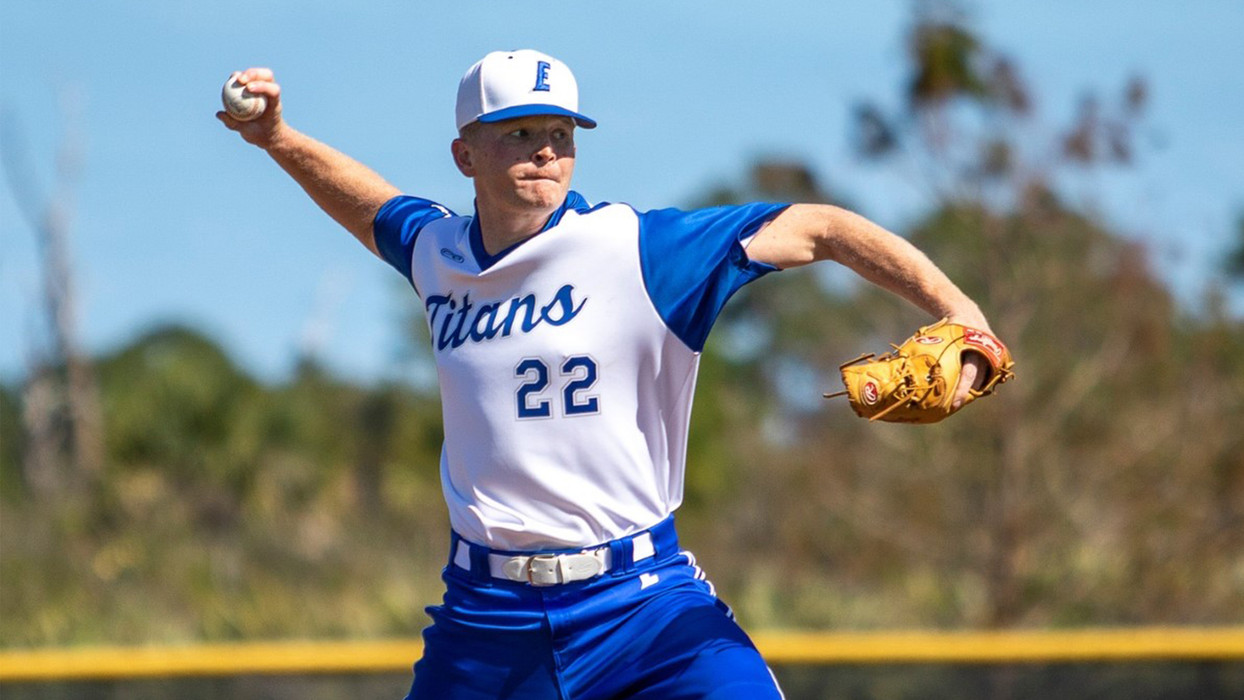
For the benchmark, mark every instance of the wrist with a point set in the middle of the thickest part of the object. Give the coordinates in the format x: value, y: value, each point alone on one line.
x: 976, y: 321
x: 280, y: 139
x: 968, y: 314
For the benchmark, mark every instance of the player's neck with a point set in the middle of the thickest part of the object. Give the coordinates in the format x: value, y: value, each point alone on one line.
x: 501, y: 228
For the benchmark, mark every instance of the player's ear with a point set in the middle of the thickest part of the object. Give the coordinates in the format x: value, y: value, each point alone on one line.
x: 462, y: 156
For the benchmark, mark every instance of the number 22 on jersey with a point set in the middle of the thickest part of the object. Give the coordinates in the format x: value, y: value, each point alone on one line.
x: 575, y: 377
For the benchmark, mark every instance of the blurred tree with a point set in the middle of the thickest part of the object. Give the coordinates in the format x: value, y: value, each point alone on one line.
x: 1234, y: 264
x: 64, y: 445
x: 173, y: 399
x: 225, y: 503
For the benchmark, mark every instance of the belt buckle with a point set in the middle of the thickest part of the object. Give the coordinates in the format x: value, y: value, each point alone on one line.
x: 555, y: 570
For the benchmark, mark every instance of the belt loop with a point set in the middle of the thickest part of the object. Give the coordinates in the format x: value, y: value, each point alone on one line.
x: 454, y: 539
x: 481, y: 572
x: 620, y: 557
x: 628, y: 554
x: 664, y: 539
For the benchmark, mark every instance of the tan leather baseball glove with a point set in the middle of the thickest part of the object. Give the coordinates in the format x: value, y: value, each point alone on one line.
x: 915, y: 382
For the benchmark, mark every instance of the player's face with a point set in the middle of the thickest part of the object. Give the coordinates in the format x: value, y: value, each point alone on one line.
x: 521, y: 163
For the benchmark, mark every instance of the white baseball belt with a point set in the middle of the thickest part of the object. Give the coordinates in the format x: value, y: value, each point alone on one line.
x: 554, y: 569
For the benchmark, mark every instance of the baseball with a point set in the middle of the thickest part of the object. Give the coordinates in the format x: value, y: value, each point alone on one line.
x: 240, y: 103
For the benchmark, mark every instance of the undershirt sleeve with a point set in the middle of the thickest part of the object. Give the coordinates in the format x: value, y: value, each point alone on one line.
x: 397, y: 225
x: 693, y: 262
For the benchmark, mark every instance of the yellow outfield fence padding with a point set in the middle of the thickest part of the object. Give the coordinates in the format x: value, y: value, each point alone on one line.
x: 243, y: 658
x: 917, y: 647
x: 1029, y: 646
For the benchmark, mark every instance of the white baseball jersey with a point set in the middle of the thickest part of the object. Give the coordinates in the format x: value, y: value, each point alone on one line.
x: 567, y: 363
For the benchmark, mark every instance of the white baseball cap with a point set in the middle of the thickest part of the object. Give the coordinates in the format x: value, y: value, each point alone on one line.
x: 508, y: 84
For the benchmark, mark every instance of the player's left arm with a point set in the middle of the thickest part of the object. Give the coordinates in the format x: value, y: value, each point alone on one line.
x: 807, y: 233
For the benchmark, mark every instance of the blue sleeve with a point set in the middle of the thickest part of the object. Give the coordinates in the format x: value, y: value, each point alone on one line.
x: 694, y: 261
x: 398, y: 223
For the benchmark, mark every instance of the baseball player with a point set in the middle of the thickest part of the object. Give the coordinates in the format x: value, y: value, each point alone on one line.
x: 567, y: 336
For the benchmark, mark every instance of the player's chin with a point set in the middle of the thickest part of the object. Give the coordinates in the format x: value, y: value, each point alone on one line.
x: 542, y: 193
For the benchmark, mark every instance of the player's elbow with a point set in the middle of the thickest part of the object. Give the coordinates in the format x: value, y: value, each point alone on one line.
x: 820, y: 227
x: 797, y: 236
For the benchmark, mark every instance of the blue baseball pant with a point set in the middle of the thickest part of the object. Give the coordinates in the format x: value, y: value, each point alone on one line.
x: 647, y: 630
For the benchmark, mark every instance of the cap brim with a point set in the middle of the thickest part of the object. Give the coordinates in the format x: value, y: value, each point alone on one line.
x: 532, y: 110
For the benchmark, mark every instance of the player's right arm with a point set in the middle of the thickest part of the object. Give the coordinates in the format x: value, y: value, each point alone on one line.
x: 348, y: 191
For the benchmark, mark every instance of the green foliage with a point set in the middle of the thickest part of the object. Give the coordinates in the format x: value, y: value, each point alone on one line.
x: 170, y: 385
x: 230, y: 509
x: 10, y: 445
x: 946, y: 57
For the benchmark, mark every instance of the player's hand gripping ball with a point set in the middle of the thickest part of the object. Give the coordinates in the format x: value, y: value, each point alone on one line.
x: 915, y: 382
x: 240, y: 103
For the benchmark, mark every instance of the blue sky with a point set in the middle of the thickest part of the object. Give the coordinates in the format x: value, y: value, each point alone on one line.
x: 175, y: 219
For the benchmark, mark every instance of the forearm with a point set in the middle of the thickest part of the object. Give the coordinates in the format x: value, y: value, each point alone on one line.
x: 893, y: 263
x: 348, y: 191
